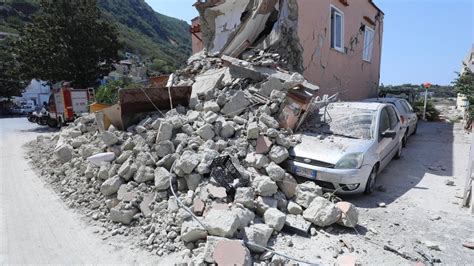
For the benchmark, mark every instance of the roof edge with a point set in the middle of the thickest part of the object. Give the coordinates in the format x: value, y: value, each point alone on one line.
x: 376, y: 7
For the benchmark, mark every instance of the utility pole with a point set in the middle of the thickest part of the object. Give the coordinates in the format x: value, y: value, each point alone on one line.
x: 426, y: 85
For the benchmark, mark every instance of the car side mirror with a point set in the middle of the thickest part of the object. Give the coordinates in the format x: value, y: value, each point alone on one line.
x: 389, y: 134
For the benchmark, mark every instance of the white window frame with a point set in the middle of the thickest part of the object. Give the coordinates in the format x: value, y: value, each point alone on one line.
x: 368, y: 48
x: 333, y: 36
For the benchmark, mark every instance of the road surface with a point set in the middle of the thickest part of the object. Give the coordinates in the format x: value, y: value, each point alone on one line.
x: 35, y: 226
x: 421, y: 210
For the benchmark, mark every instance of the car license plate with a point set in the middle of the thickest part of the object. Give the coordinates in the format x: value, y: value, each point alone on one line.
x: 305, y: 172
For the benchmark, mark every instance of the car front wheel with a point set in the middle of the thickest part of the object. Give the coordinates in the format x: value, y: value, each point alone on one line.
x: 370, y: 186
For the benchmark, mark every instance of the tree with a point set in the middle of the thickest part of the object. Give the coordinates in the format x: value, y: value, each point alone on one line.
x: 67, y: 41
x: 464, y: 84
x: 10, y: 84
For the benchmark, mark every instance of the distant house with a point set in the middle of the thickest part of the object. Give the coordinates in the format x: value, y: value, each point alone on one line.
x: 37, y: 91
x: 336, y: 44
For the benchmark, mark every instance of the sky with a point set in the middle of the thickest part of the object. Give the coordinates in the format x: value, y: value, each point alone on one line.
x: 423, y: 40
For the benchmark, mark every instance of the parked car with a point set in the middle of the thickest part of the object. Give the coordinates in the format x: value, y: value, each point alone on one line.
x: 351, y: 144
x: 407, y: 114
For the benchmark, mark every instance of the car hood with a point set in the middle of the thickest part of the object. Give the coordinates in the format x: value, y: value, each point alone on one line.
x: 328, y: 148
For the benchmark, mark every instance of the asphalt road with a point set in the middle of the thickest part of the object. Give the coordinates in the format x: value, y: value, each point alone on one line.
x: 35, y: 226
x: 421, y: 210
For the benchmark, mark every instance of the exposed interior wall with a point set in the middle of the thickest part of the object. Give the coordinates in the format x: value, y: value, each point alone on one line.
x: 231, y: 27
x: 196, y: 36
x: 336, y: 71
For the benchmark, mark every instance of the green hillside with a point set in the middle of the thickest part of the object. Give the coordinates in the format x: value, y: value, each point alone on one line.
x: 154, y: 37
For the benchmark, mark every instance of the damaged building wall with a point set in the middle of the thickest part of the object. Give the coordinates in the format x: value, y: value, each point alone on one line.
x: 300, y: 31
x: 334, y: 71
x: 231, y: 27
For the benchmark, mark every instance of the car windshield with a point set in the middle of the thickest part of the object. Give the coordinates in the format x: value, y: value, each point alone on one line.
x: 346, y: 122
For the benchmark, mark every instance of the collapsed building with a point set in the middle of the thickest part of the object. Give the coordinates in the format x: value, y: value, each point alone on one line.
x: 204, y: 178
x: 336, y: 44
x: 192, y: 164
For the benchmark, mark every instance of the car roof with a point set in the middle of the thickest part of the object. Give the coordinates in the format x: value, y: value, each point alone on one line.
x: 358, y: 105
x: 384, y: 100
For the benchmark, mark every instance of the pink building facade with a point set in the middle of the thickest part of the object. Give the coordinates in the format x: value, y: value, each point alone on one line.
x: 342, y: 45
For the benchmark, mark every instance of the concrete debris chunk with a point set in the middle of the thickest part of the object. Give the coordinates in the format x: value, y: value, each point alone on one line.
x: 164, y: 148
x: 271, y: 84
x: 227, y: 130
x: 350, y: 214
x: 109, y: 138
x: 274, y: 218
x: 198, y: 206
x: 294, y: 208
x: 165, y: 132
x: 64, y: 153
x: 216, y: 192
x: 211, y: 106
x: 296, y: 224
x: 265, y: 186
x: 206, y: 132
x: 144, y: 174
x: 111, y: 185
x: 121, y: 214
x: 257, y: 160
x: 322, y: 212
x: 253, y: 131
x: 288, y: 186
x: 209, y: 248
x: 103, y: 171
x: 263, y: 145
x: 256, y: 236
x: 187, y: 162
x: 264, y: 203
x: 232, y: 252
x: 244, y: 215
x: 127, y: 170
x: 124, y: 156
x: 294, y: 80
x: 207, y: 81
x: 193, y: 181
x: 245, y: 196
x: 162, y: 178
x: 269, y: 121
x: 275, y: 172
x: 148, y: 199
x: 278, y: 154
x: 236, y: 105
x: 221, y: 223
x: 192, y: 231
x: 307, y: 192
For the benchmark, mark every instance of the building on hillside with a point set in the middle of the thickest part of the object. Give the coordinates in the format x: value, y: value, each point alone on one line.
x: 336, y: 44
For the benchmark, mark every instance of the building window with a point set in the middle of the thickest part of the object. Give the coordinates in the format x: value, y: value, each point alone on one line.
x: 337, y: 29
x: 368, y: 44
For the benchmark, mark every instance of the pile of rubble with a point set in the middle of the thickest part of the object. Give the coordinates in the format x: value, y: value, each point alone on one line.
x: 203, y: 179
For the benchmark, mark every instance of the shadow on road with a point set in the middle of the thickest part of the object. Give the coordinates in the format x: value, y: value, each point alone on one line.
x: 40, y: 129
x: 430, y: 151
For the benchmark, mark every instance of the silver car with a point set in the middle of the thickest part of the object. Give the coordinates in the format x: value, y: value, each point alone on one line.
x: 347, y: 149
x: 407, y: 114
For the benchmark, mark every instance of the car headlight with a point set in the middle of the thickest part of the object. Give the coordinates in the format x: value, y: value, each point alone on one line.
x: 350, y: 161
